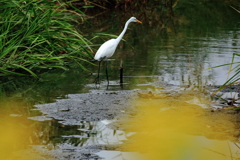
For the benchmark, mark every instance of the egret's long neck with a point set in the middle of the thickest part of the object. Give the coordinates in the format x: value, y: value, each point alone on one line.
x: 123, y: 32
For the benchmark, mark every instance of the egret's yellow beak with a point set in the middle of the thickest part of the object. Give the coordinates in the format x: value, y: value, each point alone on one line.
x: 138, y: 21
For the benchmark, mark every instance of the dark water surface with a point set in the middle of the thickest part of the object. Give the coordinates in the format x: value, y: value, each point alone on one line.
x: 152, y: 58
x: 176, y: 58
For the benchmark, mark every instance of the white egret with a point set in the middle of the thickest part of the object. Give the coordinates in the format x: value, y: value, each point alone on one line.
x: 108, y: 48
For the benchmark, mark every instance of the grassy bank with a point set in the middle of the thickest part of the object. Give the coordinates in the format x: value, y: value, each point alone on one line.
x: 38, y: 35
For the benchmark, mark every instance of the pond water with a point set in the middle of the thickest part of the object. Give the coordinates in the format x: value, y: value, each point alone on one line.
x: 177, y: 59
x: 153, y: 60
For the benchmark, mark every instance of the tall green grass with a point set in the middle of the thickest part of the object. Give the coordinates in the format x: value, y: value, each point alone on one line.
x: 37, y: 35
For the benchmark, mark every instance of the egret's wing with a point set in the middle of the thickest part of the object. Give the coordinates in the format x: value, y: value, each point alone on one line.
x: 106, y: 50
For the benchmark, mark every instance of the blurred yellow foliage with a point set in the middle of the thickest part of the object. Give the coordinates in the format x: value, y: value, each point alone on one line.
x: 177, y: 127
x: 15, y: 131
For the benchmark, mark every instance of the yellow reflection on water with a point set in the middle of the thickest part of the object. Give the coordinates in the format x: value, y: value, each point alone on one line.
x: 173, y: 128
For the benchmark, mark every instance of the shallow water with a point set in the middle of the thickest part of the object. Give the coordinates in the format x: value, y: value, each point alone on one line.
x: 153, y: 61
x: 177, y: 59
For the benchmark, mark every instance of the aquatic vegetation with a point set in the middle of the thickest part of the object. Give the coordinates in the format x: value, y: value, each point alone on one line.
x: 38, y: 35
x: 178, y: 127
x: 234, y: 79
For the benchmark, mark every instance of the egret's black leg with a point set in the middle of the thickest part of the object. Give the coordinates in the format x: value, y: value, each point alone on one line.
x: 97, y: 79
x: 107, y: 71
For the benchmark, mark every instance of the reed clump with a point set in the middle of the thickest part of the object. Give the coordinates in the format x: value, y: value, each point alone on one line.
x: 38, y: 35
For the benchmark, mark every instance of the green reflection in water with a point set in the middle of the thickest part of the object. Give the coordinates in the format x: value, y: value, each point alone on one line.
x: 176, y: 54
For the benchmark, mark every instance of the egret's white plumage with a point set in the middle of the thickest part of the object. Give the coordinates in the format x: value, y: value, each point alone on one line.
x: 108, y: 48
